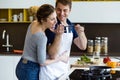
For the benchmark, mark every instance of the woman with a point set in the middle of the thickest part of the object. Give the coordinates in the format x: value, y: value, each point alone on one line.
x: 34, y: 54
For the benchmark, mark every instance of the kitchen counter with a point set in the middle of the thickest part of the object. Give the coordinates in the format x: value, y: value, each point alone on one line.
x: 73, y: 59
x: 81, y: 53
x: 72, y: 54
x: 10, y: 59
x: 10, y: 54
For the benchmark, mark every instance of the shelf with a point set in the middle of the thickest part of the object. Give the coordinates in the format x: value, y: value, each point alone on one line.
x: 14, y: 16
x: 15, y: 22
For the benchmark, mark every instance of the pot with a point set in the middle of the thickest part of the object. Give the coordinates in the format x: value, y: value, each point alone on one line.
x: 100, y: 69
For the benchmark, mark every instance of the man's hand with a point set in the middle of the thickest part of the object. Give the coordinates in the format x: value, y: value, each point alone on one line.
x: 79, y: 28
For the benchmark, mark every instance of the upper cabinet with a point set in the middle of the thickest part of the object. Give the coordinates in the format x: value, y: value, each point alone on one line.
x: 14, y: 15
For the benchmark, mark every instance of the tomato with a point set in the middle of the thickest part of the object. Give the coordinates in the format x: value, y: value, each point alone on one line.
x: 106, y: 59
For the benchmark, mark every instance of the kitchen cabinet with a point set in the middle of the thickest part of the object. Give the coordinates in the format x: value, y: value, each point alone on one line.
x: 17, y: 28
x: 7, y: 67
x: 13, y: 15
x: 15, y: 62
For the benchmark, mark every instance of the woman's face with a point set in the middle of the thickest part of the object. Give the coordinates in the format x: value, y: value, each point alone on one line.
x: 62, y: 11
x: 51, y: 21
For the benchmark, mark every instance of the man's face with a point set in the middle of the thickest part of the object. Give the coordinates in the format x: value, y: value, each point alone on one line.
x: 62, y: 11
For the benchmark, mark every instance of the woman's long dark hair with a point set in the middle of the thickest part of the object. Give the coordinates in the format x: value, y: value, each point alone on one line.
x: 44, y: 11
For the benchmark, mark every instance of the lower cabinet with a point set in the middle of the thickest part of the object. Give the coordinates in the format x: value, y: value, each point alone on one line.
x: 7, y: 67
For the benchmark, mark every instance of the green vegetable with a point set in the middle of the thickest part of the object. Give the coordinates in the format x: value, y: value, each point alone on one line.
x: 85, y: 59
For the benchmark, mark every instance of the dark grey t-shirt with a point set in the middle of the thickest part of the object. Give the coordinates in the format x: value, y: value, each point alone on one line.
x: 35, y: 47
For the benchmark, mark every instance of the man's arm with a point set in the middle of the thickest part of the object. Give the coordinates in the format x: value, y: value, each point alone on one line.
x: 81, y: 40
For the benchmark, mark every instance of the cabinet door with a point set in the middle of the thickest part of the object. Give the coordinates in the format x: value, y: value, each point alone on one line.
x: 3, y: 15
x: 15, y: 62
x: 6, y: 67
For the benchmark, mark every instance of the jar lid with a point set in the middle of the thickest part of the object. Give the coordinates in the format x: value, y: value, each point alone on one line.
x: 98, y: 38
x: 104, y: 38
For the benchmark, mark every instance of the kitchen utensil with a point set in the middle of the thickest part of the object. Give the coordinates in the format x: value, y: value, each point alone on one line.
x: 67, y: 29
x: 18, y: 51
x: 20, y: 16
x: 15, y: 17
x: 100, y: 69
x: 82, y: 74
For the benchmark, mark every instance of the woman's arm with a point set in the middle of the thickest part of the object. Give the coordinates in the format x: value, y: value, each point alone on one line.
x: 63, y: 57
x: 41, y: 52
x: 54, y: 47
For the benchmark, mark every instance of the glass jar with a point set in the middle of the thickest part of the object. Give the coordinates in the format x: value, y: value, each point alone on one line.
x: 104, y: 45
x: 96, y: 57
x: 90, y: 46
x: 97, y: 46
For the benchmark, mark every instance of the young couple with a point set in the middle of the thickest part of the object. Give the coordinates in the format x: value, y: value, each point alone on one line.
x: 39, y: 62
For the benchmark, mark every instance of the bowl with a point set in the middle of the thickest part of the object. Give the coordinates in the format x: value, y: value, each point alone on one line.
x: 3, y: 19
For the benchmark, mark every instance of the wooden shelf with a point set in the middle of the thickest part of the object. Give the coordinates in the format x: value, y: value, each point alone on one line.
x: 14, y: 22
x: 6, y: 15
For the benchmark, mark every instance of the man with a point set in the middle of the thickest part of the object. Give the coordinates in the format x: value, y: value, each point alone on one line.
x: 59, y: 42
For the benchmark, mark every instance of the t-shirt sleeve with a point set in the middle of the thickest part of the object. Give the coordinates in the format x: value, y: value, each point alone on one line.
x: 41, y: 49
x: 74, y: 32
x: 50, y: 36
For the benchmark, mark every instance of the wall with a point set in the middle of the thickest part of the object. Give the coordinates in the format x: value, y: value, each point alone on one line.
x: 96, y: 12
x: 23, y: 3
x: 83, y: 12
x: 110, y: 30
x: 16, y: 31
x: 99, y: 19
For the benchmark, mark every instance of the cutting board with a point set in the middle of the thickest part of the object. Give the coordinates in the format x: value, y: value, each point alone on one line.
x: 85, y: 65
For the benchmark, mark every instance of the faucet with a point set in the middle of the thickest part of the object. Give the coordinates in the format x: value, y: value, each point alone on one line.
x: 7, y: 45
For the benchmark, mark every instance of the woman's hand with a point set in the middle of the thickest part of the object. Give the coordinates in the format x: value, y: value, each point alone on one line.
x: 64, y: 57
x: 59, y: 30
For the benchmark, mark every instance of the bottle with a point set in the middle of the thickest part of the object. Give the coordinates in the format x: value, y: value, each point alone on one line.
x: 104, y: 45
x: 90, y: 46
x: 96, y: 57
x: 97, y: 46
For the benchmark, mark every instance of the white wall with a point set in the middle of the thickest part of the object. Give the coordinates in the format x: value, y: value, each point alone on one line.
x: 23, y: 3
x: 96, y: 12
x: 88, y: 12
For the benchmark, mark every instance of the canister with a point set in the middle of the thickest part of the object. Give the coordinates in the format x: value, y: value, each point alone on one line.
x: 104, y: 45
x: 97, y: 46
x: 90, y: 46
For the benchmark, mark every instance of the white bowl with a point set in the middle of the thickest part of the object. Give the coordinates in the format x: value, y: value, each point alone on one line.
x: 3, y: 19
